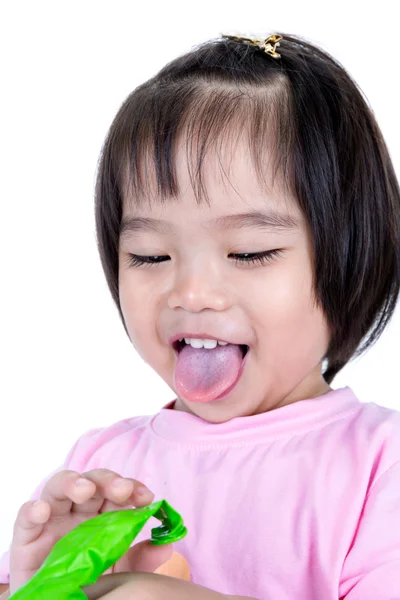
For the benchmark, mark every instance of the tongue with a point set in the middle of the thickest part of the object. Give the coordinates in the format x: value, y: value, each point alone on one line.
x: 201, y: 375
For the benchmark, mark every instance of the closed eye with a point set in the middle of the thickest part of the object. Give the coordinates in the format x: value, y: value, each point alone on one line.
x: 136, y: 260
x: 258, y: 257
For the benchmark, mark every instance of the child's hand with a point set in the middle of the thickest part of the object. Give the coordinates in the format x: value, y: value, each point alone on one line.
x: 63, y: 506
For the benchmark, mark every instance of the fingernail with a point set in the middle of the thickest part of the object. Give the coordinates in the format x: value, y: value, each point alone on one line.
x: 121, y: 482
x: 82, y: 481
x: 141, y: 490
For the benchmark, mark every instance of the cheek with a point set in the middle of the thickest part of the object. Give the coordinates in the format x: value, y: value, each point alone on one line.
x: 290, y: 321
x: 140, y: 310
x: 137, y: 309
x: 283, y: 292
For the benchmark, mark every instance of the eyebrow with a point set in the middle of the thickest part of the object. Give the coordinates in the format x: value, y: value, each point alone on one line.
x: 267, y: 219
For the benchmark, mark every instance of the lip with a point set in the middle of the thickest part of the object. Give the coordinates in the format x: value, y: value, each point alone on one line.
x: 204, y: 336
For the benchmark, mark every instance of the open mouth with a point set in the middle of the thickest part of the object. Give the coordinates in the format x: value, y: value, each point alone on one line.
x: 177, y: 346
x: 207, y: 374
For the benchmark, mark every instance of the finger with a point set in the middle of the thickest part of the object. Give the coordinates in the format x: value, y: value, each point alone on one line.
x: 113, y: 492
x: 62, y: 490
x: 65, y: 493
x: 144, y: 557
x: 30, y: 522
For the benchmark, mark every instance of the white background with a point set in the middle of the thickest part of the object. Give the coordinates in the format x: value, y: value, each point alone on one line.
x: 66, y: 67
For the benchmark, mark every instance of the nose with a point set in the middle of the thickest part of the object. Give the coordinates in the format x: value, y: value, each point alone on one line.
x: 197, y: 288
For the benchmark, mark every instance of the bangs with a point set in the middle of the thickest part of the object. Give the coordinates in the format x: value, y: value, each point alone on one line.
x: 158, y: 121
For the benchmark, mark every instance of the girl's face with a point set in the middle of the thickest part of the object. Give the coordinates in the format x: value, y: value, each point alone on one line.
x: 201, y: 287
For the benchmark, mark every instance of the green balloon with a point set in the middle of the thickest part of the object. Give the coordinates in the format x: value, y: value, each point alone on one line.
x: 80, y: 557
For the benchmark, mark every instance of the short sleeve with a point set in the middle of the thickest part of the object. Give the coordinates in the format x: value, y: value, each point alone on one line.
x: 372, y: 566
x: 75, y: 460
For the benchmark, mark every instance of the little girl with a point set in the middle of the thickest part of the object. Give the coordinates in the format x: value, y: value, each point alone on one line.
x: 248, y: 223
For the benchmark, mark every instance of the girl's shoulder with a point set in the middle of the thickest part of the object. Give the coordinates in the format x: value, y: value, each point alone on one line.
x: 101, y: 444
x: 377, y: 428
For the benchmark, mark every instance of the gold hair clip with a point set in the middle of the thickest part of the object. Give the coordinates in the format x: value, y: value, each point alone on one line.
x: 268, y: 45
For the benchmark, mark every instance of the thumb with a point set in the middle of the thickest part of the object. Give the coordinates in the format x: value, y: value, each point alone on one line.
x: 144, y: 557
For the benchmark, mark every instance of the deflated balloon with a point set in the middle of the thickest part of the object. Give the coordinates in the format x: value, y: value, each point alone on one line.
x: 80, y: 557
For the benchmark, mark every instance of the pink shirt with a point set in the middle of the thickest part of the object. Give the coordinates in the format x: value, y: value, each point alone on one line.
x: 300, y: 503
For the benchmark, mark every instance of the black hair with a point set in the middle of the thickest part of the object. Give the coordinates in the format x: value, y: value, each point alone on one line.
x: 325, y: 140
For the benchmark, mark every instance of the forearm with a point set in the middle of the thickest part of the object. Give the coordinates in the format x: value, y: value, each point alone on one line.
x: 169, y: 587
x: 147, y: 586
